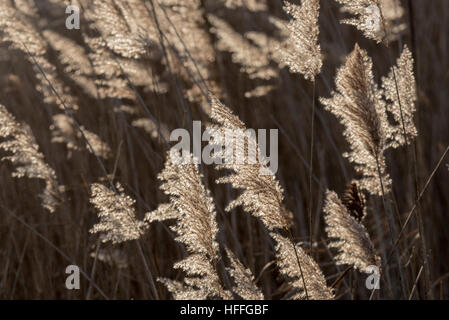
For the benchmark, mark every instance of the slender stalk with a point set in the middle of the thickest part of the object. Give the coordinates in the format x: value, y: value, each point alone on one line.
x: 391, y: 218
x: 94, y: 267
x: 148, y: 271
x: 311, y: 168
x: 299, y: 264
x: 338, y: 281
x: 416, y: 283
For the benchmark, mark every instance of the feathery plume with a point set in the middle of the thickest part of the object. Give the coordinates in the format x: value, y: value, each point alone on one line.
x: 76, y: 62
x: 379, y: 20
x: 393, y: 13
x: 63, y: 131
x: 262, y: 194
x: 243, y: 278
x: 251, y: 5
x: 348, y: 235
x: 72, y: 55
x: 303, y: 53
x: 165, y: 211
x: 254, y: 61
x: 154, y: 130
x: 26, y: 6
x: 399, y: 88
x: 259, y: 91
x: 392, y: 9
x: 114, y: 257
x: 275, y: 49
x: 100, y: 148
x: 111, y: 71
x: 184, y: 26
x: 314, y: 280
x: 196, y: 228
x: 359, y: 106
x: 20, y: 33
x: 118, y: 222
x: 26, y: 156
x: 190, y: 289
x: 114, y: 29
x: 368, y: 17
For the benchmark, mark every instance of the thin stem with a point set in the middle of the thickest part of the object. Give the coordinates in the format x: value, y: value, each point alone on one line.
x: 390, y: 217
x: 299, y: 264
x: 311, y: 167
x: 148, y: 272
x: 94, y: 267
x: 341, y: 277
x: 416, y: 283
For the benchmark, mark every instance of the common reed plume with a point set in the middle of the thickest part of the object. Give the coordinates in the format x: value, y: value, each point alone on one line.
x: 368, y: 17
x: 151, y: 128
x: 121, y: 38
x: 244, y: 48
x: 393, y: 14
x: 196, y: 228
x: 26, y: 6
x: 379, y: 20
x: 313, y: 282
x: 75, y: 60
x: 165, y: 211
x: 113, y: 72
x: 169, y: 31
x: 27, y: 158
x: 261, y: 194
x: 21, y: 33
x: 99, y: 147
x: 360, y: 108
x: 115, y: 31
x: 254, y: 61
x: 301, y: 52
x: 348, y: 235
x: 118, y: 222
x: 135, y: 20
x: 400, y: 91
x: 63, y: 130
x: 114, y: 257
x: 262, y: 197
x: 243, y: 278
x: 251, y: 5
x: 184, y: 26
